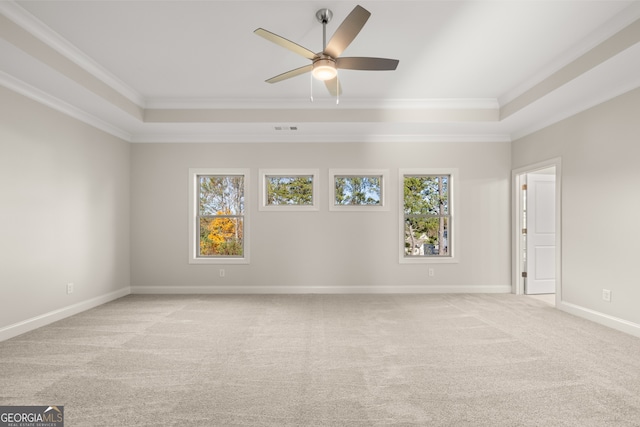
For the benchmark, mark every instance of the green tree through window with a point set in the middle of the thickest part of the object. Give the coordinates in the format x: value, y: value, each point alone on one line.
x: 289, y: 190
x: 358, y: 190
x: 427, y: 215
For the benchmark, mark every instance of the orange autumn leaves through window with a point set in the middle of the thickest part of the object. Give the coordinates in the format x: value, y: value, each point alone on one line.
x: 221, y: 235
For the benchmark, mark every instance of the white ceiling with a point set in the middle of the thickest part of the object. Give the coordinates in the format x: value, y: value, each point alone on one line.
x: 194, y: 71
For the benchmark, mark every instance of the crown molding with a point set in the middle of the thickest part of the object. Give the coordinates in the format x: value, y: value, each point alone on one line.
x: 619, y: 22
x: 323, y: 103
x: 576, y: 109
x: 335, y: 115
x: 57, y: 104
x: 615, y: 47
x: 317, y: 138
x: 41, y: 31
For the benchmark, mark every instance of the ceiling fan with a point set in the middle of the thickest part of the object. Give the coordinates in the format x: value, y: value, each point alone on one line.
x: 325, y: 64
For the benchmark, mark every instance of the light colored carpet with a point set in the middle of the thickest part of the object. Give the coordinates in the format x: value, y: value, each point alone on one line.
x: 326, y: 360
x: 548, y: 298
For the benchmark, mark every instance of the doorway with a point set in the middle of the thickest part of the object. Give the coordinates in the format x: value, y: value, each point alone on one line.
x: 536, y: 231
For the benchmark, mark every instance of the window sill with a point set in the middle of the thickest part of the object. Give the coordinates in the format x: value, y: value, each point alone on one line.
x: 428, y: 260
x: 218, y: 261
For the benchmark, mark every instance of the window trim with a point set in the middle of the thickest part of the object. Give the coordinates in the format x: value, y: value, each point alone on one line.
x: 193, y: 216
x: 454, y: 244
x: 382, y: 173
x: 262, y: 193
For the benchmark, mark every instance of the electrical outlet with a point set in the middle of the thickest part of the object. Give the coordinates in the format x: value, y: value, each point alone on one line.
x: 606, y: 295
x: 222, y: 272
x: 69, y: 288
x: 432, y: 272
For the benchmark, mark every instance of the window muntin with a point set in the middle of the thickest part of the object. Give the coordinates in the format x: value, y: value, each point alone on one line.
x: 221, y: 215
x: 359, y: 190
x: 288, y: 189
x: 218, y: 216
x: 427, y: 216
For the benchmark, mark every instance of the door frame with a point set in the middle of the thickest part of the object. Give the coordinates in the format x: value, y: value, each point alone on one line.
x: 517, y: 175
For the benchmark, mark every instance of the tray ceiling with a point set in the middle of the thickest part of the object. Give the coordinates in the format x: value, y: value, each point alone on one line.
x: 184, y: 71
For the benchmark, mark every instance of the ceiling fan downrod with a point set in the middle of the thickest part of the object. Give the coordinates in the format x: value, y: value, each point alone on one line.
x: 324, y: 17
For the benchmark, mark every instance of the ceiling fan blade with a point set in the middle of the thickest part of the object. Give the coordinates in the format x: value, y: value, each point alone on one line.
x: 366, y: 63
x: 333, y: 86
x: 285, y: 43
x: 347, y: 31
x: 290, y: 73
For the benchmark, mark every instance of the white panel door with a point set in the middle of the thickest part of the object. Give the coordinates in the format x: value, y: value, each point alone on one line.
x: 541, y: 234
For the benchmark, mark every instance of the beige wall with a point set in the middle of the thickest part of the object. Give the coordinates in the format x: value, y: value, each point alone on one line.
x: 81, y: 206
x: 320, y: 251
x: 64, y: 213
x: 600, y: 152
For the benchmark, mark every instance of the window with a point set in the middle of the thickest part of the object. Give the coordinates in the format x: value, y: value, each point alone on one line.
x: 427, y: 216
x: 289, y: 189
x: 359, y: 190
x: 218, y: 219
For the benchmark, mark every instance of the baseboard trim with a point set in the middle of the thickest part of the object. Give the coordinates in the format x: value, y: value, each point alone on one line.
x: 55, y: 315
x: 320, y: 289
x: 612, y: 322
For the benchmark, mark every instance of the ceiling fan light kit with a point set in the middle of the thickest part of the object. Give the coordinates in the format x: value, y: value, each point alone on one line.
x: 325, y: 64
x: 324, y: 69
